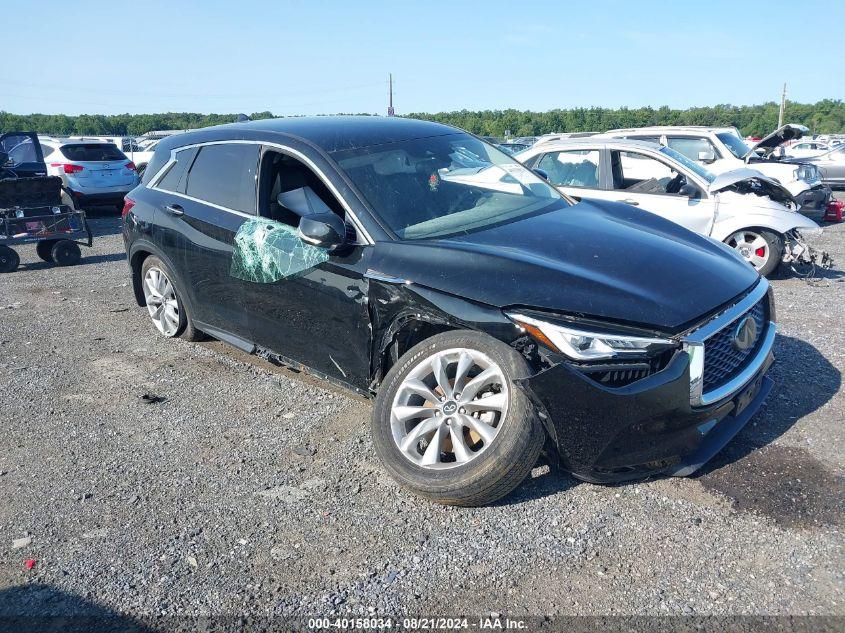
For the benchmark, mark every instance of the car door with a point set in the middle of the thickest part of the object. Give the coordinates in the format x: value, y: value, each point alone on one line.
x: 314, y: 310
x: 26, y: 158
x: 208, y: 194
x: 641, y: 180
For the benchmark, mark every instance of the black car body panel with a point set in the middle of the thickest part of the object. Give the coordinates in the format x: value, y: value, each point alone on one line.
x: 351, y: 316
x: 607, y: 435
x: 598, y: 259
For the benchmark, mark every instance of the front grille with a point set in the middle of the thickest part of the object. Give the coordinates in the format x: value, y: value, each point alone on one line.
x: 722, y: 359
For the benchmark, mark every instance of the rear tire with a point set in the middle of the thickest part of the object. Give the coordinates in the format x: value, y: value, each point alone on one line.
x: 44, y: 250
x: 158, y: 295
x: 474, y: 452
x: 762, y: 249
x: 9, y: 260
x: 65, y: 253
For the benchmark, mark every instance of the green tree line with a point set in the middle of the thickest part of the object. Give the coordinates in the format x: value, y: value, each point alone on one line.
x: 824, y: 117
x: 827, y: 116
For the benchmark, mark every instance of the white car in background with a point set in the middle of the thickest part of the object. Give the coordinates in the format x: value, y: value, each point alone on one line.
x: 721, y: 149
x: 144, y: 155
x: 93, y: 172
x: 753, y: 214
x: 805, y: 149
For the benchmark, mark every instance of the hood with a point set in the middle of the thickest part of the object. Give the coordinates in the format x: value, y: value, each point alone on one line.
x: 752, y: 181
x: 788, y: 132
x: 600, y: 259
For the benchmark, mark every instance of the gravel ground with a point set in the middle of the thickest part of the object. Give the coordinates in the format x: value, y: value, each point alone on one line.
x: 252, y: 490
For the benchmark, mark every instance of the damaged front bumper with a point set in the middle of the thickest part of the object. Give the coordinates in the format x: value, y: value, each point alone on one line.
x: 798, y: 253
x: 649, y: 427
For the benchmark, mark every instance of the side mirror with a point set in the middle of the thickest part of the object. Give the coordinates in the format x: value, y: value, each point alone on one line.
x: 542, y: 173
x: 324, y: 230
x: 690, y: 191
x: 4, y: 158
x: 706, y: 157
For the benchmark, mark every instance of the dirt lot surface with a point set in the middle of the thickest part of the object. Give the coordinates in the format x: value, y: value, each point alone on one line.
x: 252, y: 490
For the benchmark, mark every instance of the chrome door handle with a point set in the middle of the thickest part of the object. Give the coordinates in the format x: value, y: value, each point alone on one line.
x: 633, y: 203
x: 175, y: 209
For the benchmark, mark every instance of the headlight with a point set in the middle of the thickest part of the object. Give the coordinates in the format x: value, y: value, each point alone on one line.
x: 585, y: 345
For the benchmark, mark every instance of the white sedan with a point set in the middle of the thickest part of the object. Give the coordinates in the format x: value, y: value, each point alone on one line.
x: 746, y: 210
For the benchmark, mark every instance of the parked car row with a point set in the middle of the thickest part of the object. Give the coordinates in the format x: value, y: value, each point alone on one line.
x: 487, y: 312
x: 92, y: 171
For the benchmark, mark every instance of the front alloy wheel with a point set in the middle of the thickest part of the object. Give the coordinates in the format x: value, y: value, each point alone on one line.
x: 449, y: 408
x: 450, y: 423
x: 762, y: 249
x: 162, y: 303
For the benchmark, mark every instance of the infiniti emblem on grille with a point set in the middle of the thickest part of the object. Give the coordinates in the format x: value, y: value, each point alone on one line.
x: 745, y: 334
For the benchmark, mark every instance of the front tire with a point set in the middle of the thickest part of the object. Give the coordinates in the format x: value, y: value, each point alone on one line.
x: 164, y: 304
x: 761, y: 248
x: 451, y: 425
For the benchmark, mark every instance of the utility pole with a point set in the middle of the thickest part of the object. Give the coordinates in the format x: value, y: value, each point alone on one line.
x: 390, y: 93
x: 782, y: 106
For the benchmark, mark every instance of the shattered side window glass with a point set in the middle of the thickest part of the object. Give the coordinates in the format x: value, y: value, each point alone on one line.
x: 267, y: 251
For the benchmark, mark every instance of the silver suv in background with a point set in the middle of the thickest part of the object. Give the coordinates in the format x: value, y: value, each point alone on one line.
x: 94, y: 173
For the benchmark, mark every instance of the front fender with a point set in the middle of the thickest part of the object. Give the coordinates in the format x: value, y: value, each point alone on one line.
x: 776, y: 221
x: 394, y: 305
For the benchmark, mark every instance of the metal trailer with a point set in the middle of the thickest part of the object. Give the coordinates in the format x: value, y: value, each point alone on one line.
x: 31, y: 212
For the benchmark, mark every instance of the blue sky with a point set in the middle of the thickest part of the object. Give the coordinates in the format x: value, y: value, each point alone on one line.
x: 326, y: 56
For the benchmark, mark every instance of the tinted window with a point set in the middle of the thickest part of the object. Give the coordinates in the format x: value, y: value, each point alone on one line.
x: 574, y: 168
x: 92, y: 152
x: 174, y: 176
x: 690, y: 146
x: 735, y: 144
x: 225, y: 175
x: 20, y: 149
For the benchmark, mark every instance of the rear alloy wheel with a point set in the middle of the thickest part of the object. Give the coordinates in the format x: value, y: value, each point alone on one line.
x: 9, y: 260
x: 162, y: 302
x: 762, y: 249
x: 450, y: 424
x: 166, y: 309
x: 65, y: 253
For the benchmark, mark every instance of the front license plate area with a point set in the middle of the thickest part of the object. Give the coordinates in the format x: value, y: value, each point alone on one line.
x: 747, y: 396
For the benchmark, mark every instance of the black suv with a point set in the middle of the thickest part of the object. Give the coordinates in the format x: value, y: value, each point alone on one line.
x: 485, y: 311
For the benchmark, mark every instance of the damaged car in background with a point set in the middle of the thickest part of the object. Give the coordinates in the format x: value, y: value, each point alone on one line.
x: 721, y: 149
x: 485, y: 315
x: 753, y: 214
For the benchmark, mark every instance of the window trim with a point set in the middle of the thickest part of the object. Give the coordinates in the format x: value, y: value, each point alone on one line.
x: 360, y: 230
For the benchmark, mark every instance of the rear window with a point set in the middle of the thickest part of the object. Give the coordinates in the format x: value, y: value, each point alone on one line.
x: 225, y: 175
x: 92, y: 152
